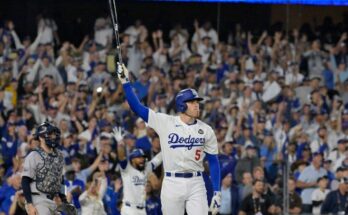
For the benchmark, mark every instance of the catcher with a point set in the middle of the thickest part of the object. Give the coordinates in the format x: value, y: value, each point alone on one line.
x: 42, y: 177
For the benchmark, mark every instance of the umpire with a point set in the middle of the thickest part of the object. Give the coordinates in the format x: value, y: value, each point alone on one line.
x: 42, y: 177
x: 336, y: 202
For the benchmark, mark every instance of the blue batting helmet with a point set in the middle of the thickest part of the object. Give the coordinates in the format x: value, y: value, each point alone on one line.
x: 136, y: 153
x: 45, y: 130
x: 184, y: 96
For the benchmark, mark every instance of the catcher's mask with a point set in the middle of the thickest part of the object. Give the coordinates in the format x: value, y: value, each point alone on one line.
x: 49, y: 132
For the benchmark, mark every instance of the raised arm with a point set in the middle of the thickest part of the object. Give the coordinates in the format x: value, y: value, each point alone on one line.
x: 117, y: 133
x: 15, y: 37
x: 132, y: 99
x: 121, y: 152
x: 96, y: 162
x: 36, y: 42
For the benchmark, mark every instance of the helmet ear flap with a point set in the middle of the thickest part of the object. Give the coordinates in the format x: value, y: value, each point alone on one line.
x: 183, y: 107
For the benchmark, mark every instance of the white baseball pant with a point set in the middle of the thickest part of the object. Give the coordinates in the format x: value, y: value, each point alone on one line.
x: 180, y: 193
x: 43, y: 205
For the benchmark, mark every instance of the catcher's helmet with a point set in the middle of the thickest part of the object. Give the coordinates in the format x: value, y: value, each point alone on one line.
x: 136, y: 153
x: 49, y: 132
x: 184, y: 96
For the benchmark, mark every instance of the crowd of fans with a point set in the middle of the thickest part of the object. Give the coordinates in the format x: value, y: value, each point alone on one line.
x: 258, y: 127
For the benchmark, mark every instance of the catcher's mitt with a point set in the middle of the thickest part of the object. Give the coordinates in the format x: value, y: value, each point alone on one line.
x: 67, y: 209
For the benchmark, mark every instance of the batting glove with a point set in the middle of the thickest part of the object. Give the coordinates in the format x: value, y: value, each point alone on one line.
x: 117, y: 133
x: 122, y: 73
x: 215, y: 203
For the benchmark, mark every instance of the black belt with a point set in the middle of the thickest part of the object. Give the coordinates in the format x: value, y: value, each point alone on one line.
x: 137, y: 207
x: 183, y: 174
x: 49, y: 196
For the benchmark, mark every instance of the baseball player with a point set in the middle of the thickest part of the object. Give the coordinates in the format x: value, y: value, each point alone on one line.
x: 185, y: 141
x: 134, y: 173
x: 42, y: 177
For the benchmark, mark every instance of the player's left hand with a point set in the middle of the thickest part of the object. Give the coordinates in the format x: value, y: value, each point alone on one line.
x: 122, y: 73
x: 215, y: 203
x: 117, y: 133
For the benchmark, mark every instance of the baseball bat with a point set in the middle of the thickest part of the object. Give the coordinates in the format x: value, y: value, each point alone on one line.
x: 114, y: 19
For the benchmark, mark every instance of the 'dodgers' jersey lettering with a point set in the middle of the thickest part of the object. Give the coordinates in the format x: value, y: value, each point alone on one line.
x: 176, y: 141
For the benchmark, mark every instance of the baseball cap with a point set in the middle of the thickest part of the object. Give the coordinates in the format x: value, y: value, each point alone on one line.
x: 136, y: 153
x: 342, y: 141
x: 104, y: 123
x: 317, y: 154
x: 250, y: 146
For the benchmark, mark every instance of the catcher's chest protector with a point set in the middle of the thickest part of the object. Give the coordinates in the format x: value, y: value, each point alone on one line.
x: 49, y: 174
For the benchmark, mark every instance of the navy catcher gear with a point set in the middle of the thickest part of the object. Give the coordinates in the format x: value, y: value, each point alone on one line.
x: 136, y: 153
x: 184, y: 96
x: 49, y: 132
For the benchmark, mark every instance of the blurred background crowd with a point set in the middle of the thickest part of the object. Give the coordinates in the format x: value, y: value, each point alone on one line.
x: 272, y: 97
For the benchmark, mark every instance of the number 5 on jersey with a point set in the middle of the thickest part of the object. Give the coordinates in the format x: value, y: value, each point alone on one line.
x: 198, y: 154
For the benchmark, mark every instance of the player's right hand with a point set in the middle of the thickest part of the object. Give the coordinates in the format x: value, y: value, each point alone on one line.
x: 31, y: 210
x: 122, y: 73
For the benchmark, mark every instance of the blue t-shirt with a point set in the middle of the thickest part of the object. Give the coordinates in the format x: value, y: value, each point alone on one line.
x: 269, y: 154
x: 9, y: 193
x: 110, y: 201
x: 72, y: 185
x: 9, y: 146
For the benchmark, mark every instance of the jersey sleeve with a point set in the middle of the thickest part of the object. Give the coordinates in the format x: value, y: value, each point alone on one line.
x: 30, y: 164
x: 157, y: 120
x: 211, y: 145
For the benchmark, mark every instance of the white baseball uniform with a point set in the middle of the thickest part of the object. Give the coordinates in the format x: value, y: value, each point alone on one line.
x: 134, y: 181
x: 182, y: 147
